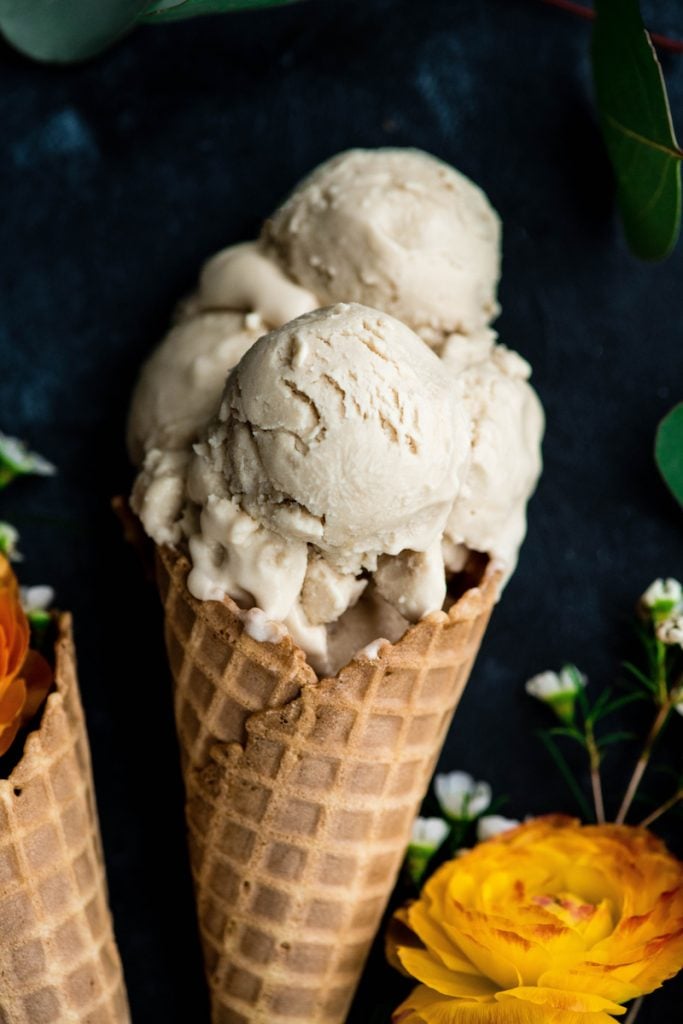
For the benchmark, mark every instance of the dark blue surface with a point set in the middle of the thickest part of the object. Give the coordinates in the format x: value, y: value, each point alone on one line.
x: 118, y: 177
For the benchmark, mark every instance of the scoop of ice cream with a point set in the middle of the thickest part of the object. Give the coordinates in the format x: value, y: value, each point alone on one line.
x: 339, y: 438
x: 395, y: 229
x: 339, y: 430
x: 180, y: 385
x: 242, y: 277
x: 489, y: 514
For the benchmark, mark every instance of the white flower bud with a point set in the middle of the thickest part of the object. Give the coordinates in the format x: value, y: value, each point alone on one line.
x: 460, y: 797
x: 36, y: 599
x: 9, y: 541
x: 558, y: 689
x: 493, y: 824
x: 17, y: 460
x: 429, y: 833
x: 669, y: 591
x: 670, y: 630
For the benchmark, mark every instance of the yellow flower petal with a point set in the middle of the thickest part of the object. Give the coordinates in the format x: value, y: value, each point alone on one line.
x: 424, y: 1006
x: 592, y: 978
x: 423, y: 966
x: 558, y: 999
x: 437, y: 940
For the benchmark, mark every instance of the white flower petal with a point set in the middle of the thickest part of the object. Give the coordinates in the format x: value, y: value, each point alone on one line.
x: 479, y: 800
x: 493, y: 824
x: 544, y: 685
x: 670, y: 630
x: 460, y: 796
x: 9, y: 542
x: 429, y: 832
x: 17, y: 455
x: 662, y: 591
x: 37, y: 599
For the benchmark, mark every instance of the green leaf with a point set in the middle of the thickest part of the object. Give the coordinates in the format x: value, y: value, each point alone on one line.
x: 66, y: 30
x: 175, y: 10
x: 614, y: 737
x: 669, y: 451
x: 636, y: 125
x: 572, y: 734
x: 640, y: 676
x: 566, y: 774
x: 622, y: 702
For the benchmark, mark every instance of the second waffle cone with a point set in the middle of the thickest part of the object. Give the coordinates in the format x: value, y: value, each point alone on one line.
x: 300, y: 794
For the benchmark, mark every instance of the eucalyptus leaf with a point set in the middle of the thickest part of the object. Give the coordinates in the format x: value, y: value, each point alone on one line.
x: 66, y: 30
x: 636, y: 125
x: 669, y: 451
x: 175, y: 10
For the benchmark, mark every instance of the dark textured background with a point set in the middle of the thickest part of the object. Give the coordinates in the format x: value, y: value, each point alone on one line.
x: 118, y: 177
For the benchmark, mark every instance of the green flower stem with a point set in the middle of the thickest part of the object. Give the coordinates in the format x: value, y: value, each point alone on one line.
x: 666, y: 806
x: 596, y: 781
x: 662, y: 685
x: 643, y: 760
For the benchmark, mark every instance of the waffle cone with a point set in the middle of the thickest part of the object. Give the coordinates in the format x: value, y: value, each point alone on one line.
x: 301, y: 793
x: 58, y: 958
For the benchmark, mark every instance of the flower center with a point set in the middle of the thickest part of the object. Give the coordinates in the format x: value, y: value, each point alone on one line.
x: 568, y: 908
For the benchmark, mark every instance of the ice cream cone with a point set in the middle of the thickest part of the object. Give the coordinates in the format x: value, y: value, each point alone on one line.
x: 58, y: 958
x: 301, y: 793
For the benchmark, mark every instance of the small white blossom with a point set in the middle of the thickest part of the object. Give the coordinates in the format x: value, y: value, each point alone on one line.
x: 17, y: 460
x: 663, y: 591
x: 548, y: 685
x: 36, y: 599
x: 460, y: 797
x: 493, y: 824
x: 661, y: 599
x: 9, y: 542
x: 670, y: 630
x: 558, y: 689
x: 427, y: 836
x: 429, y: 833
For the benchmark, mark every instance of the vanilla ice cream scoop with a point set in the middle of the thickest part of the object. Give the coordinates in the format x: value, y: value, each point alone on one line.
x: 507, y: 418
x: 340, y: 431
x: 395, y: 229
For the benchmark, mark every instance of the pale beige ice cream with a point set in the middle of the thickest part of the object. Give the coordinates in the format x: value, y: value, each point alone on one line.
x: 339, y: 531
x: 505, y: 455
x: 337, y: 451
x: 395, y: 229
x: 241, y: 294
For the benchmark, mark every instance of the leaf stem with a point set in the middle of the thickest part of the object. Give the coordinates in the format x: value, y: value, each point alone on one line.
x: 643, y: 760
x: 634, y: 1011
x: 666, y: 806
x: 596, y: 781
x: 663, y: 42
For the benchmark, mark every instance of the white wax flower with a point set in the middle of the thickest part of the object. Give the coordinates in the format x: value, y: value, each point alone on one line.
x: 548, y: 685
x: 670, y: 630
x: 17, y: 460
x: 9, y: 541
x: 493, y: 824
x: 660, y: 592
x: 429, y: 833
x: 460, y: 797
x: 558, y: 689
x: 36, y: 599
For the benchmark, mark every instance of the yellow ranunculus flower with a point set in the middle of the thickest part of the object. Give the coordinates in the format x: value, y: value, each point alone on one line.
x: 553, y: 922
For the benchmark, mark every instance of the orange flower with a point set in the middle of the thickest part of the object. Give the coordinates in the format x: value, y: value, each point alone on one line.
x: 25, y: 676
x: 553, y: 922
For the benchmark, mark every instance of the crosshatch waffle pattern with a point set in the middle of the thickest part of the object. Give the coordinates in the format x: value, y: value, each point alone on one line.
x: 301, y: 794
x: 58, y: 958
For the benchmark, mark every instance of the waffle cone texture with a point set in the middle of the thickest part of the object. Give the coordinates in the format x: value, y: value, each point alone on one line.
x: 58, y: 958
x: 301, y: 793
